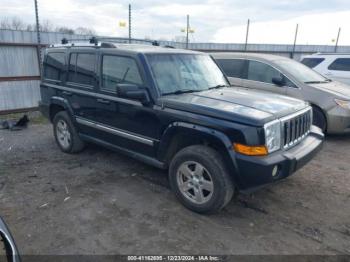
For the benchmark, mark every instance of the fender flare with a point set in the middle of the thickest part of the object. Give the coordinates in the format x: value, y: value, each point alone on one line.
x: 60, y: 101
x: 220, y: 137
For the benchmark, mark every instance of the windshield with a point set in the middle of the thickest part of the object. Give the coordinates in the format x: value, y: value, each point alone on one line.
x: 176, y: 73
x: 301, y: 72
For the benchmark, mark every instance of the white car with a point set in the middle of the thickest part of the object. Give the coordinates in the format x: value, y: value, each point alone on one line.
x: 335, y: 66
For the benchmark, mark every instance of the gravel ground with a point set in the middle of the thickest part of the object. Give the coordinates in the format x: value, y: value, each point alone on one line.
x: 100, y: 202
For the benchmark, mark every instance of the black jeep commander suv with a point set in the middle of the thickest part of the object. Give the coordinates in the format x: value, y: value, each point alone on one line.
x: 174, y: 109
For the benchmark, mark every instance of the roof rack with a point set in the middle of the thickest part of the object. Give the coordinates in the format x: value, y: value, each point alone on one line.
x: 97, y: 42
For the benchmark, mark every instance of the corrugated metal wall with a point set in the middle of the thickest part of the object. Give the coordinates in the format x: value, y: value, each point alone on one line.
x: 19, y: 67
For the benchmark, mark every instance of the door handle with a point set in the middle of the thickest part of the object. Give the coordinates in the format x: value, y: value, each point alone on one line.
x: 103, y: 101
x: 67, y: 93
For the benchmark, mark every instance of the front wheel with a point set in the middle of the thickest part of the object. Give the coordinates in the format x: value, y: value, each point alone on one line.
x: 200, y: 179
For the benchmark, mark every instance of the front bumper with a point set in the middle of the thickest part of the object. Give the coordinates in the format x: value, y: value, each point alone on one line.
x: 338, y: 121
x: 256, y: 172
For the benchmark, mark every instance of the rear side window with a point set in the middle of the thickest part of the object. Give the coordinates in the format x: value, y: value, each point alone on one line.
x: 312, y: 61
x: 81, y: 68
x: 261, y: 72
x: 233, y: 67
x: 54, y: 66
x: 340, y: 64
x: 119, y: 69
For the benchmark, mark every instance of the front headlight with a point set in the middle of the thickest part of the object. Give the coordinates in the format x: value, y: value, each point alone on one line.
x: 273, y: 135
x: 342, y: 103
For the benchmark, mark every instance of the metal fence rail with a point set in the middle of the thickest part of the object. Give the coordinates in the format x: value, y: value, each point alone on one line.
x: 19, y: 62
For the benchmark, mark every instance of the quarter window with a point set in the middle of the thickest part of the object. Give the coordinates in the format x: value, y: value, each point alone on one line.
x: 233, y: 67
x: 261, y: 72
x: 119, y: 69
x: 81, y: 68
x: 340, y: 64
x: 54, y: 66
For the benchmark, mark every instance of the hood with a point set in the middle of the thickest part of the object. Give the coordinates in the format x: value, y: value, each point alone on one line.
x: 235, y: 103
x: 335, y: 88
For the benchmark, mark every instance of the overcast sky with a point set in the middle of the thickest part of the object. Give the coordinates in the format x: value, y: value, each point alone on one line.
x: 272, y: 21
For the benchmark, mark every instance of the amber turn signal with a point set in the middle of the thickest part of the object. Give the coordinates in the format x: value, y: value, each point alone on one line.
x: 250, y: 150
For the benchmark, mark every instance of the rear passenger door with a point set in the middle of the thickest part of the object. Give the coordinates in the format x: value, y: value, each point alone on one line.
x: 234, y: 69
x: 81, y: 84
x: 259, y: 76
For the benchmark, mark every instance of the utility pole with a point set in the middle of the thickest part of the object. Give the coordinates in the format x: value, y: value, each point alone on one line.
x: 187, y: 29
x: 336, y: 43
x: 246, y: 36
x: 129, y: 23
x: 295, y: 40
x: 38, y: 33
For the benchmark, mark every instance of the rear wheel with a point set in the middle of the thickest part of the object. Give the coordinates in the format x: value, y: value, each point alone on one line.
x: 65, y: 134
x: 200, y: 180
x: 319, y: 119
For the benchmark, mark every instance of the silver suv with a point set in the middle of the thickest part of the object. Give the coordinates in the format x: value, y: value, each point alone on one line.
x: 330, y: 99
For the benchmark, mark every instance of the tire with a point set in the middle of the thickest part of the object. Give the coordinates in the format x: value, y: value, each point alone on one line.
x: 319, y: 119
x: 66, y: 135
x: 195, y: 193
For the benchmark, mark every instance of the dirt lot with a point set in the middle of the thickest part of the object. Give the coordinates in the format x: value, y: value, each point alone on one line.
x: 100, y: 202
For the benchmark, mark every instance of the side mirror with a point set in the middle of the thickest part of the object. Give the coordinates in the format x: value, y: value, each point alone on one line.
x: 134, y: 92
x: 278, y: 81
x: 8, y: 247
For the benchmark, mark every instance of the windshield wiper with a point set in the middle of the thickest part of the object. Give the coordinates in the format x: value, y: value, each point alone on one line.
x: 217, y: 87
x: 316, y: 82
x: 184, y: 91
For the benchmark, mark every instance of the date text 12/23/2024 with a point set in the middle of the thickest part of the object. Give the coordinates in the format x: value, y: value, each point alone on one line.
x: 174, y: 258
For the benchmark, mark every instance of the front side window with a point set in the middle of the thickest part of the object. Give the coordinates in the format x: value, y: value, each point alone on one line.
x: 312, y: 61
x: 81, y: 68
x: 185, y: 72
x: 262, y: 72
x: 119, y: 69
x: 233, y: 67
x: 340, y: 64
x: 54, y: 66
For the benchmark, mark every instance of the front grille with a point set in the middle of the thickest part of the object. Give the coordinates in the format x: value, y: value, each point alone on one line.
x: 296, y: 127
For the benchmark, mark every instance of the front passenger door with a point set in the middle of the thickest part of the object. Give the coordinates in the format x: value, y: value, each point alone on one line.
x: 124, y: 122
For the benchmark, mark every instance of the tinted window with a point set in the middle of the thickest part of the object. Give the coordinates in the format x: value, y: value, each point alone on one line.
x: 81, y: 68
x: 261, y: 72
x: 54, y: 66
x: 118, y: 69
x: 312, y: 62
x: 232, y: 67
x: 340, y: 64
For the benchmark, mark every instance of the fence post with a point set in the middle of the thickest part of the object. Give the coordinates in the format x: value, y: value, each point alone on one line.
x: 336, y: 43
x: 38, y: 34
x: 246, y: 36
x: 295, y: 40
